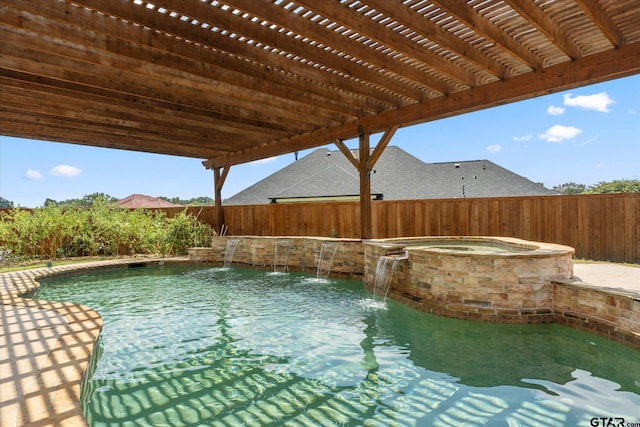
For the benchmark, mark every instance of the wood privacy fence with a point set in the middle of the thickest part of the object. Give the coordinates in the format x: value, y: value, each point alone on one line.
x: 602, y: 227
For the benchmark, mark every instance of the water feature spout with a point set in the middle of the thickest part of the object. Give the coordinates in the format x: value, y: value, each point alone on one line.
x: 281, y: 255
x: 327, y: 252
x: 232, y: 244
x: 384, y: 272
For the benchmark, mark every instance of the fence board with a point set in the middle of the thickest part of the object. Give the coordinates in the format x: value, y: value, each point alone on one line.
x: 599, y: 226
x: 633, y: 223
x: 618, y: 225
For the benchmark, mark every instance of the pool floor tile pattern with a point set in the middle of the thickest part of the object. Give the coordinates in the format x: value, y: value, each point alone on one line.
x: 45, y: 347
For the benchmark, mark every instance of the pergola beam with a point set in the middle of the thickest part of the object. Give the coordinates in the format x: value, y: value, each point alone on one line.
x: 596, y: 68
x: 482, y: 25
x: 278, y: 40
x: 549, y: 28
x: 596, y: 13
x: 347, y: 153
x: 380, y: 146
x: 329, y: 37
x: 233, y: 81
x: 348, y: 17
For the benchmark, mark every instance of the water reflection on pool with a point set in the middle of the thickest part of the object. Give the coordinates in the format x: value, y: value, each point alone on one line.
x: 214, y: 346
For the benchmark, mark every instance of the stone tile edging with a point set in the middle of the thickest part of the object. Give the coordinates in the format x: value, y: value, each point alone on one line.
x: 613, y: 313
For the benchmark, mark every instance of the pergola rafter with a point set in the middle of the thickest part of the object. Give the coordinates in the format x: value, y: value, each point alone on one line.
x: 231, y: 81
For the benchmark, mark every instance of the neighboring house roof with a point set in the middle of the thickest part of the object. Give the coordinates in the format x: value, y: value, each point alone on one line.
x: 142, y: 201
x: 396, y: 176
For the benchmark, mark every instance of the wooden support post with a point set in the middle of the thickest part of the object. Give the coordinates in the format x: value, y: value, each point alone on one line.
x: 365, y: 165
x: 365, y: 187
x: 218, y: 182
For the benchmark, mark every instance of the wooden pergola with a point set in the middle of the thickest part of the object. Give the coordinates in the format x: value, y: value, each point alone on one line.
x: 233, y: 81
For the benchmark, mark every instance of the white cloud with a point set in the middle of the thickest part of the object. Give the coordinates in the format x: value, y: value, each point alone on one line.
x: 494, y: 148
x: 65, y: 170
x: 555, y: 111
x: 559, y: 133
x: 264, y: 161
x: 522, y: 138
x: 31, y: 174
x: 598, y: 102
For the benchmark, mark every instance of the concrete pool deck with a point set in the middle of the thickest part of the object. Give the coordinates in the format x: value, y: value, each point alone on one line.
x: 45, y: 347
x: 609, y: 276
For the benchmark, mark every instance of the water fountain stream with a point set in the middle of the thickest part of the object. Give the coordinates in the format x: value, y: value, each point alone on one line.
x: 327, y: 252
x: 384, y: 272
x: 232, y: 244
x: 281, y: 255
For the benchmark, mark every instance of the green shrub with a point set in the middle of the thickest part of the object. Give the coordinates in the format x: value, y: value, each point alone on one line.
x: 103, y: 230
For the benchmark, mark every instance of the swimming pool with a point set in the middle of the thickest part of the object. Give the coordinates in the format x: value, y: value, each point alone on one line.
x: 215, y: 346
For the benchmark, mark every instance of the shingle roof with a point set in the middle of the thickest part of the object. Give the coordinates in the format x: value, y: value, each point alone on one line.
x: 397, y: 176
x: 142, y: 201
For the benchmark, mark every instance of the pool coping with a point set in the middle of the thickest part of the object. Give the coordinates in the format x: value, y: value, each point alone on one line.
x: 45, y: 347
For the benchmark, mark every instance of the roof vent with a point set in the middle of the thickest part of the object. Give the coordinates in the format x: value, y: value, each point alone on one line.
x: 457, y: 166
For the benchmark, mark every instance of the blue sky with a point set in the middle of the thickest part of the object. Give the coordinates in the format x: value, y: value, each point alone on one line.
x: 586, y: 135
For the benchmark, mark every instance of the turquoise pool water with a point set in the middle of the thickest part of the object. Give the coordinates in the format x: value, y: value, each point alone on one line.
x: 468, y: 245
x: 232, y: 347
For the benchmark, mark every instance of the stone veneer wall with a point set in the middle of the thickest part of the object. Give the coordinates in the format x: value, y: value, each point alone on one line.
x: 500, y: 282
x: 259, y: 252
x: 487, y: 284
x: 612, y: 313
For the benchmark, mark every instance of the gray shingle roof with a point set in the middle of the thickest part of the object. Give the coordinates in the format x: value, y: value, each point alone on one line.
x: 397, y: 176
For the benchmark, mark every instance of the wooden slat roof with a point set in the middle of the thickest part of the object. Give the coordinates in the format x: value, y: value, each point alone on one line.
x: 238, y: 80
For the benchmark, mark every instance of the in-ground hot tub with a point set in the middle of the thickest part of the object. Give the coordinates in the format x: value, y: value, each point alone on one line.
x: 489, y: 278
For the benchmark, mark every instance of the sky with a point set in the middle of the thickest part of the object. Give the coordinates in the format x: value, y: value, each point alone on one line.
x: 586, y: 136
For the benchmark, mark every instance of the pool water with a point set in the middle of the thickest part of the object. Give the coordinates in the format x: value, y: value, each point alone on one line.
x: 468, y: 246
x: 231, y: 347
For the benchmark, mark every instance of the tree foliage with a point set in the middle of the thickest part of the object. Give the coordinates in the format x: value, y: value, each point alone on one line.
x: 92, y: 199
x: 616, y: 186
x: 196, y: 201
x: 88, y: 200
x: 570, y: 188
x: 4, y: 203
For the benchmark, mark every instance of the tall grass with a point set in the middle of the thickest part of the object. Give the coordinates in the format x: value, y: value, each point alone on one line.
x: 105, y: 229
